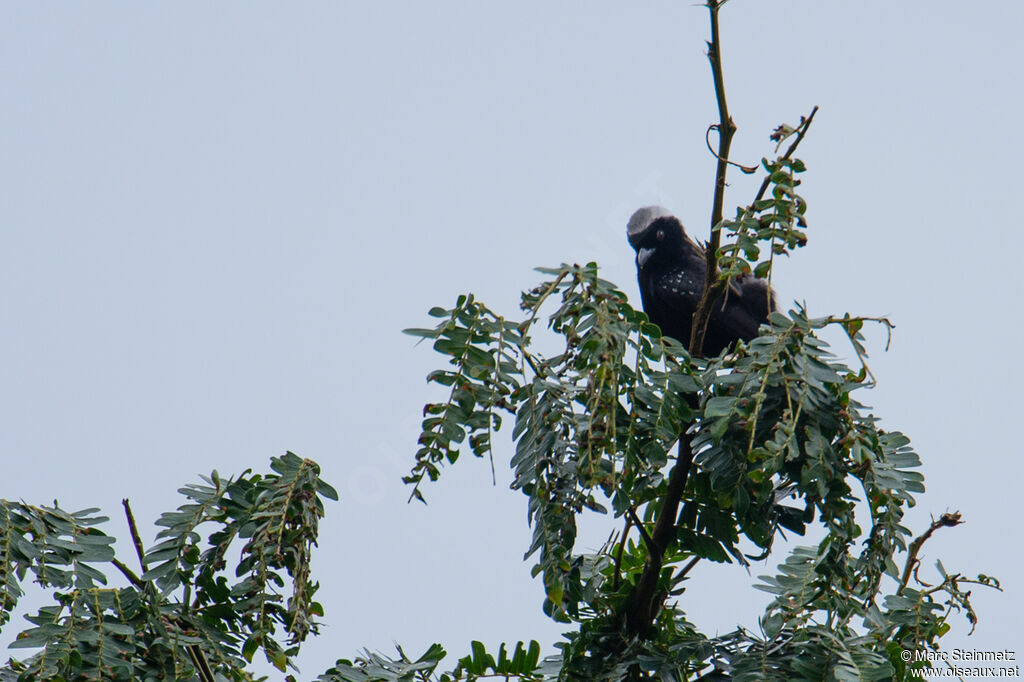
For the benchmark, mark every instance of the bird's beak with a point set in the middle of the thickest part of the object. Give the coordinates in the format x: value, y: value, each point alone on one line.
x: 643, y: 255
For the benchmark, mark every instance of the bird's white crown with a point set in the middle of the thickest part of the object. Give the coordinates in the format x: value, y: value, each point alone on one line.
x: 641, y: 220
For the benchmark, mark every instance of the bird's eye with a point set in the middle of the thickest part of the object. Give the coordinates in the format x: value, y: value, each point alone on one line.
x: 659, y: 235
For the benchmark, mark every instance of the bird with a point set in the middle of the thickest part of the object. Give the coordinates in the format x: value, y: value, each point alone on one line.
x: 670, y: 269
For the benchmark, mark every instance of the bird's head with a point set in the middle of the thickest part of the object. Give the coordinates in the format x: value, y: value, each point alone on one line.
x: 653, y: 232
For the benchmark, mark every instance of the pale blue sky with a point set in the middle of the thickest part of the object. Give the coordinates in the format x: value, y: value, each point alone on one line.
x: 217, y: 218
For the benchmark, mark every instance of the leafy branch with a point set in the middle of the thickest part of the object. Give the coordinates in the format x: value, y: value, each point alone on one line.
x: 153, y: 626
x: 772, y: 422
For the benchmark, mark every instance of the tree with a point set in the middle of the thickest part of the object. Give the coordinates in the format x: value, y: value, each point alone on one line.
x: 697, y: 459
x: 182, y: 615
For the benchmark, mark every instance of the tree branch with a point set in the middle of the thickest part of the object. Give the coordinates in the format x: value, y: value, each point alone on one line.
x: 746, y: 170
x: 618, y: 557
x: 134, y: 530
x: 641, y: 609
x: 688, y: 567
x: 648, y: 540
x: 199, y: 662
x: 946, y: 520
x: 129, y: 573
x: 726, y: 128
x: 801, y: 130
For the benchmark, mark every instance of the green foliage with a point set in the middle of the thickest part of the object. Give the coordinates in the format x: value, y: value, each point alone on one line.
x: 776, y: 221
x: 56, y: 546
x: 779, y: 442
x: 770, y: 438
x: 373, y: 667
x: 523, y: 664
x: 183, y: 613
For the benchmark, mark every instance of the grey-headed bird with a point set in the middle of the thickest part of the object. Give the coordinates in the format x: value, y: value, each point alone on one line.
x: 670, y: 268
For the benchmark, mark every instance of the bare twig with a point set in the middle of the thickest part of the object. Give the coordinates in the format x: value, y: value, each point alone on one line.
x: 946, y: 520
x: 618, y: 555
x: 726, y: 129
x: 129, y: 573
x: 747, y: 170
x: 801, y: 130
x: 688, y: 567
x: 134, y: 530
x: 631, y: 515
x: 199, y: 662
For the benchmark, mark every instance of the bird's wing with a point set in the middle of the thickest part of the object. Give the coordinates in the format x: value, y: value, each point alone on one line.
x: 758, y: 297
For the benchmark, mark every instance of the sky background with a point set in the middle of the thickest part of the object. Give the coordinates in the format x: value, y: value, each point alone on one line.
x: 215, y: 219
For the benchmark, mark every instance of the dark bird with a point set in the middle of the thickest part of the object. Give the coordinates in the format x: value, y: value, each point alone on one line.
x: 670, y: 268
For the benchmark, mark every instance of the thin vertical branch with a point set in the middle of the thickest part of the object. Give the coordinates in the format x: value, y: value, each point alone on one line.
x: 726, y: 129
x: 642, y: 609
x: 136, y: 538
x: 801, y: 130
x: 618, y: 556
x: 947, y: 520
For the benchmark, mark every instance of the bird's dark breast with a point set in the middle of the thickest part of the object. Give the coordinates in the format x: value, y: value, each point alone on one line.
x: 670, y: 270
x: 670, y: 298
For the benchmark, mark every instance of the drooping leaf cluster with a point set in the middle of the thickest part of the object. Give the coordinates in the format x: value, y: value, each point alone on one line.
x: 192, y: 610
